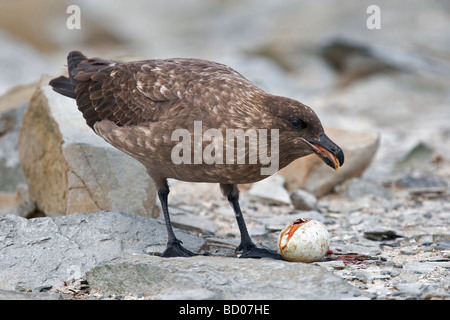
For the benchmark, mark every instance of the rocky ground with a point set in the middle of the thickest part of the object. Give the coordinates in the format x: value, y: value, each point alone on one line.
x: 390, y: 240
x: 65, y: 231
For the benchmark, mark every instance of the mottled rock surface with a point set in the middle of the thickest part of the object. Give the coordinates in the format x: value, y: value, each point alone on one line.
x: 218, y: 278
x: 40, y: 254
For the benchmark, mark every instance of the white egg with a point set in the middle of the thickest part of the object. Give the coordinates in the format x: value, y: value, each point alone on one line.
x: 304, y: 240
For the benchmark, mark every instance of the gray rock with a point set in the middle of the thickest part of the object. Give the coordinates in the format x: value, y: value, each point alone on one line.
x: 411, y: 290
x: 218, y: 278
x: 357, y: 188
x: 331, y: 265
x: 303, y: 200
x: 39, y: 254
x: 382, y: 233
x: 18, y: 203
x: 10, y: 171
x: 25, y: 207
x: 196, y: 294
x: 277, y: 223
x: 346, y: 206
x: 417, y: 267
x: 356, y: 60
x: 352, y: 60
x: 350, y: 248
x: 188, y: 221
x: 17, y: 295
x: 443, y: 245
x: 422, y: 183
x: 420, y: 156
x: 270, y: 191
x: 363, y: 276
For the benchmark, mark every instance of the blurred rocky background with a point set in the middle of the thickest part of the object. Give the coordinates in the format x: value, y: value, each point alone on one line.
x: 382, y: 94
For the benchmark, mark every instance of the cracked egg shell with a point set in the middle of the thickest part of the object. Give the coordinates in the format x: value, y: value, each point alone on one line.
x: 304, y: 240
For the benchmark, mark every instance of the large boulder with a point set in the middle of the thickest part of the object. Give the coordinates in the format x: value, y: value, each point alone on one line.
x: 70, y: 169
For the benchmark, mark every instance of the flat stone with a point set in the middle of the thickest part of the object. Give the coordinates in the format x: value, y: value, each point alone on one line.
x: 382, y: 233
x: 359, y: 249
x: 443, y: 245
x: 218, y: 278
x: 410, y: 289
x: 70, y: 169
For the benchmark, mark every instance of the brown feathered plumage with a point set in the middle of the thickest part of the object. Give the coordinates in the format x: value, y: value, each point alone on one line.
x: 137, y: 106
